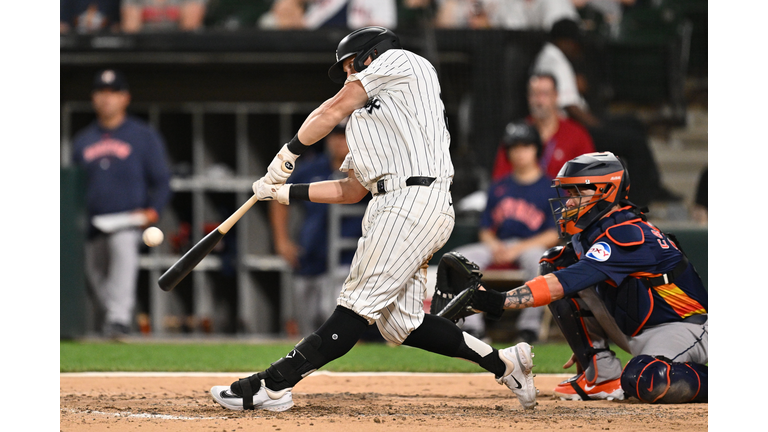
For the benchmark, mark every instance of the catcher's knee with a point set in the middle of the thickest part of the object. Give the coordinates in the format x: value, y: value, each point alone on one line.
x: 556, y: 258
x: 659, y: 380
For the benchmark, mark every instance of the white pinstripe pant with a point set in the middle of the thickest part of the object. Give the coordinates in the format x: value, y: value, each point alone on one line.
x: 387, y: 279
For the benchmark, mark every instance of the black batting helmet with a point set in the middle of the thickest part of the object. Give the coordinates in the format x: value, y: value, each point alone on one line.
x: 521, y: 132
x: 602, y: 172
x: 362, y: 43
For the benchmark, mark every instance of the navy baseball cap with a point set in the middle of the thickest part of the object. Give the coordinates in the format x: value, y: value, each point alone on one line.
x: 110, y: 78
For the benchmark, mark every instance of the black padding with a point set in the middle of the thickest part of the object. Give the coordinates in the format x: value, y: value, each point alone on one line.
x: 568, y: 316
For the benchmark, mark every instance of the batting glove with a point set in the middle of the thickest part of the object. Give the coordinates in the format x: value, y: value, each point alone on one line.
x: 281, y: 166
x: 265, y: 191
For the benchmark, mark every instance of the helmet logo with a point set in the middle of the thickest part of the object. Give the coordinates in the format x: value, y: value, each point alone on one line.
x: 600, y: 251
x: 616, y: 178
x: 587, y: 181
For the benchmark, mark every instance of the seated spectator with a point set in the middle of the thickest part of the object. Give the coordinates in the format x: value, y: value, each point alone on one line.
x: 505, y: 14
x: 235, y: 14
x: 625, y: 136
x: 315, y: 14
x: 516, y: 227
x: 563, y: 139
x: 162, y: 15
x: 89, y: 16
x: 609, y: 11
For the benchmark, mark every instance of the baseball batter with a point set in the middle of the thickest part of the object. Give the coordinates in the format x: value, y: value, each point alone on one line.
x: 399, y: 152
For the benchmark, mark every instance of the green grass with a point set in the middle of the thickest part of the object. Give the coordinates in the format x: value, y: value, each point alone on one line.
x: 244, y: 357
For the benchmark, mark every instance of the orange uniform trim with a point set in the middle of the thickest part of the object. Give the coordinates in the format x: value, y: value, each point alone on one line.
x: 650, y: 311
x: 629, y: 222
x: 680, y: 302
x: 540, y: 291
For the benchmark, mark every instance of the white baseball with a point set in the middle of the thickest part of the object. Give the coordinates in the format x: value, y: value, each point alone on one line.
x: 152, y: 236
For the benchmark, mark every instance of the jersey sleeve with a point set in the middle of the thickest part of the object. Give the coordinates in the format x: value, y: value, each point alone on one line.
x: 347, y: 164
x: 617, y: 262
x: 389, y: 70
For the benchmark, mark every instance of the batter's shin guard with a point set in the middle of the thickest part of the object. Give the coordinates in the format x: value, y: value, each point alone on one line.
x: 333, y: 339
x: 569, y: 317
x: 659, y: 380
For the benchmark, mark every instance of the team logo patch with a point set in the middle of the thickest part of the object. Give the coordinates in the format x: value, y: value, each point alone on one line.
x: 599, y: 252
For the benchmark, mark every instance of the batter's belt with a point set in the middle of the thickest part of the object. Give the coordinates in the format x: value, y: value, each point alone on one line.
x: 390, y: 184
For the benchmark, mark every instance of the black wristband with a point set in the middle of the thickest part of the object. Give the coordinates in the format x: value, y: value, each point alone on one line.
x: 295, y: 146
x: 299, y: 191
x: 489, y: 301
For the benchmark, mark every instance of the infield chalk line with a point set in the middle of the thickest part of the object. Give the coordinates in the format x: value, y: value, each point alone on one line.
x: 128, y: 414
x: 318, y: 373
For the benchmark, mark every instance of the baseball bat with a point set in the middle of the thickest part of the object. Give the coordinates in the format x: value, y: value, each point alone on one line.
x: 181, y: 268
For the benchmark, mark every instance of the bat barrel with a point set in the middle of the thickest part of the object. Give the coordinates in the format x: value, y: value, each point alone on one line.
x: 181, y: 268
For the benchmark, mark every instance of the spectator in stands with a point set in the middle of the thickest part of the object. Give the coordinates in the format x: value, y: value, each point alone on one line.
x: 315, y: 14
x: 235, y: 14
x: 89, y: 16
x: 625, y: 136
x: 126, y: 172
x: 609, y: 11
x: 315, y: 285
x: 563, y: 139
x: 162, y: 15
x: 505, y: 14
x: 516, y: 227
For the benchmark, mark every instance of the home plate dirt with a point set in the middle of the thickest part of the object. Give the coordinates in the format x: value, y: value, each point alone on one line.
x: 356, y: 402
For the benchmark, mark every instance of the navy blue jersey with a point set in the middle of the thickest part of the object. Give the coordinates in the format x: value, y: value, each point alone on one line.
x: 313, y: 238
x: 515, y: 210
x: 620, y: 253
x: 126, y: 167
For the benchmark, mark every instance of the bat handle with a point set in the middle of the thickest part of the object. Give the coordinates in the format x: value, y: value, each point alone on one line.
x: 225, y: 226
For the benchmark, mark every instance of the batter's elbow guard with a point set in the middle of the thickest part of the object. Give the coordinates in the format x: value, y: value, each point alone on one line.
x: 659, y: 380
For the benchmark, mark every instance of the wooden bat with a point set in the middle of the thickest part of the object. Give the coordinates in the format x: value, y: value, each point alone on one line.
x: 181, y: 268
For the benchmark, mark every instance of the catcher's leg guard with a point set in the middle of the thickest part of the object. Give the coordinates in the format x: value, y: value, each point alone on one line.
x: 569, y: 317
x: 659, y: 380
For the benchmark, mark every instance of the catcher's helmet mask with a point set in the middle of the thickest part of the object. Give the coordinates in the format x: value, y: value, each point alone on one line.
x: 602, y: 172
x: 362, y: 43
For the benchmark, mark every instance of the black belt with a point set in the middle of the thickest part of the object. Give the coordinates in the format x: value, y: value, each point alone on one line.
x: 667, y: 278
x: 411, y: 181
x: 696, y: 319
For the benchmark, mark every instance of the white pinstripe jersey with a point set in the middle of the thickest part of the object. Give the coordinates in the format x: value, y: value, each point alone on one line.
x: 402, y: 130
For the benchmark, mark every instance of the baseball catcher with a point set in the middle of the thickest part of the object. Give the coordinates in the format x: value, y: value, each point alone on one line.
x: 618, y: 279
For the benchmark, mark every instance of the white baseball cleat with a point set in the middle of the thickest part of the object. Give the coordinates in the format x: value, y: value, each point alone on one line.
x: 265, y: 398
x: 518, y: 376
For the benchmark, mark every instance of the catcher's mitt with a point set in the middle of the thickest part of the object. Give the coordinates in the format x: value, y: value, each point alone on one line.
x: 455, y: 274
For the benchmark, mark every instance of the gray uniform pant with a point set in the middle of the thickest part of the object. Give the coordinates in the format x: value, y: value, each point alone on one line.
x: 677, y: 341
x: 112, y: 267
x: 480, y: 254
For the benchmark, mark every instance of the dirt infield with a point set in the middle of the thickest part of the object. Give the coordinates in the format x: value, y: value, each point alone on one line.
x: 341, y: 402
